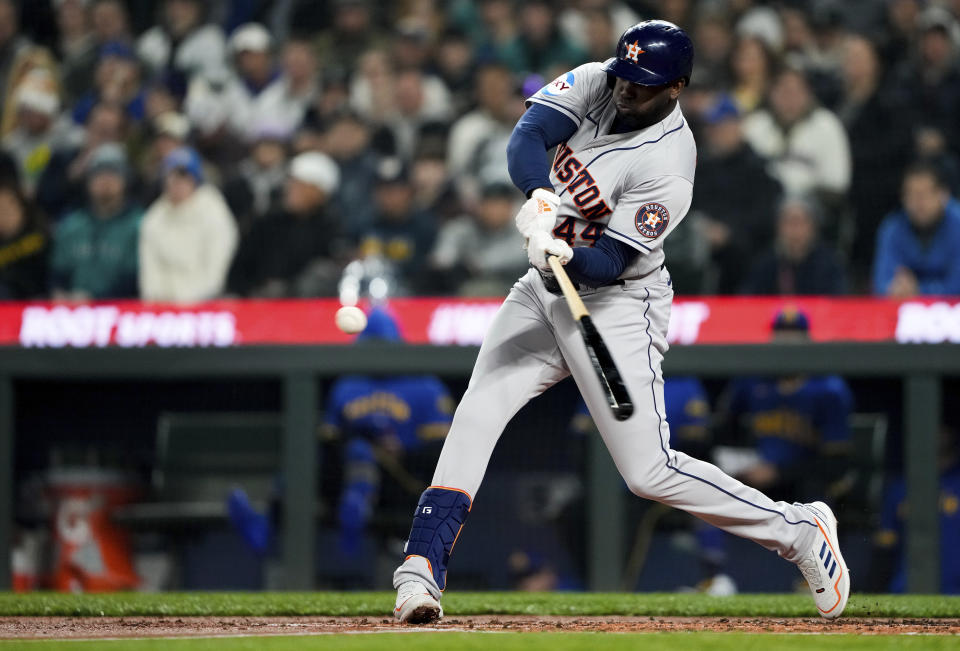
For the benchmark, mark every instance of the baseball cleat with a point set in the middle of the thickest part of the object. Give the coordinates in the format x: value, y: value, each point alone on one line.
x: 415, y: 605
x: 823, y: 566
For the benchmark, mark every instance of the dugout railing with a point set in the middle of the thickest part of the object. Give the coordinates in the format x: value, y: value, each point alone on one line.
x: 921, y: 368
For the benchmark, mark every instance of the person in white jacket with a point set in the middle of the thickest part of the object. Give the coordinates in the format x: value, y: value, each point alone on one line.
x: 805, y: 144
x: 183, y: 41
x: 188, y: 236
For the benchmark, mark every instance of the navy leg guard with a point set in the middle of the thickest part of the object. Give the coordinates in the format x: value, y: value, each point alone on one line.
x: 436, y: 525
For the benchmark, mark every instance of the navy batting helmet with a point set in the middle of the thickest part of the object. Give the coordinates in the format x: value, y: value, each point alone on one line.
x: 652, y: 53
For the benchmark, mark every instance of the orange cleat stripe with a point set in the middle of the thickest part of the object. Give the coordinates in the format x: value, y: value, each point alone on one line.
x: 839, y: 565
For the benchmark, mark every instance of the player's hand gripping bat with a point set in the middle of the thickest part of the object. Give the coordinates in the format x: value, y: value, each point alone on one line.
x: 610, y: 379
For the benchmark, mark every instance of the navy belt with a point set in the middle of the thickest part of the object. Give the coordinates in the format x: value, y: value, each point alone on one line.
x: 551, y: 285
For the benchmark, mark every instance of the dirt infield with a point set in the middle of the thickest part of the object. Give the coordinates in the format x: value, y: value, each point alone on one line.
x: 137, y: 627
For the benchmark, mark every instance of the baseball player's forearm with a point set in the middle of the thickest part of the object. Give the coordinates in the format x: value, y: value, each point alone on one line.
x: 541, y: 128
x: 601, y: 263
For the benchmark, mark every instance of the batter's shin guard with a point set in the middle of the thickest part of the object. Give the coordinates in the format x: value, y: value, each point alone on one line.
x: 436, y: 525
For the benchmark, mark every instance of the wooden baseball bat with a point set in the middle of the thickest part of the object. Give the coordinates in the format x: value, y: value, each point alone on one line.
x: 610, y: 379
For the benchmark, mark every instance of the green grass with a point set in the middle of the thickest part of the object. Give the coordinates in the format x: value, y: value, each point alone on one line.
x: 465, y: 603
x: 511, y: 642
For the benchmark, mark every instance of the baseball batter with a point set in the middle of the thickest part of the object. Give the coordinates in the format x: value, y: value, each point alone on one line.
x: 621, y: 181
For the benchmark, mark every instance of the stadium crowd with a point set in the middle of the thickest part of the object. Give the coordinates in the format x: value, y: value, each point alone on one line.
x: 181, y: 150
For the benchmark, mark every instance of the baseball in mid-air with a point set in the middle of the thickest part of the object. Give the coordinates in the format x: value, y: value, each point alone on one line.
x: 351, y: 319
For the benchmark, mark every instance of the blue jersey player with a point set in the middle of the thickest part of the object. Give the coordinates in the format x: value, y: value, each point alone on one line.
x: 799, y: 424
x: 385, y: 423
x: 890, y: 554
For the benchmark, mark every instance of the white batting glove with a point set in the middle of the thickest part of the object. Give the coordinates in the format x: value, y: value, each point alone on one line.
x: 541, y: 244
x: 539, y: 213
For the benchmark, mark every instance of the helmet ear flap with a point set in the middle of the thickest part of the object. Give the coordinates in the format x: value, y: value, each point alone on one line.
x: 611, y: 81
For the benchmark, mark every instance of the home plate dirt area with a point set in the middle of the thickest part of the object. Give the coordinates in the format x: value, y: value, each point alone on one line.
x: 140, y: 627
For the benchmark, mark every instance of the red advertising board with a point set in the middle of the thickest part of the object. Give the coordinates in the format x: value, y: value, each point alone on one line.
x: 449, y: 321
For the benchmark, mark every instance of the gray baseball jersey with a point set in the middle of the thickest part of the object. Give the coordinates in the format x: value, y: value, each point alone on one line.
x: 636, y: 187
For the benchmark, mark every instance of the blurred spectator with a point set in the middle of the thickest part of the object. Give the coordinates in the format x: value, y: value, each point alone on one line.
x: 183, y: 42
x: 879, y: 144
x: 713, y: 38
x: 899, y: 35
x: 805, y: 144
x: 227, y: 101
x: 293, y: 251
x: 888, y: 570
x: 75, y: 46
x: 23, y: 248
x: 600, y: 33
x: 400, y: 233
x: 37, y: 132
x: 256, y: 187
x: 482, y: 254
x: 752, y: 66
x: 813, y: 43
x: 36, y: 66
x: 165, y: 133
x: 188, y: 236
x: 490, y: 24
x: 540, y: 46
x: 95, y: 248
x: 392, y: 429
x: 798, y: 263
x: 433, y: 184
x: 734, y: 195
x: 164, y: 94
x: 348, y: 141
x: 498, y: 107
x: 930, y: 146
x: 594, y: 26
x: 410, y: 44
x: 110, y: 21
x: 372, y: 89
x: 62, y: 186
x: 917, y: 246
x: 116, y: 80
x: 456, y: 66
x: 103, y: 22
x: 927, y: 84
x: 798, y: 424
x: 286, y: 99
x: 13, y: 43
x: 760, y: 21
x: 352, y: 34
x: 260, y: 91
x: 404, y: 101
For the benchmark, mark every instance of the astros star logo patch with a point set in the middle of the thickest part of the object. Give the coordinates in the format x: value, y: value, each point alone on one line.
x: 652, y: 220
x: 633, y: 50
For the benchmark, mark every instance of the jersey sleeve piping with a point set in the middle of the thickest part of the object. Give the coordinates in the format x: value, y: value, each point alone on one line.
x: 560, y: 107
x: 626, y: 239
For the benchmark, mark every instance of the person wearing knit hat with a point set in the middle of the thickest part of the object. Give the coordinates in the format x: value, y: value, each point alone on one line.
x: 95, y: 247
x: 189, y: 235
x: 182, y: 165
